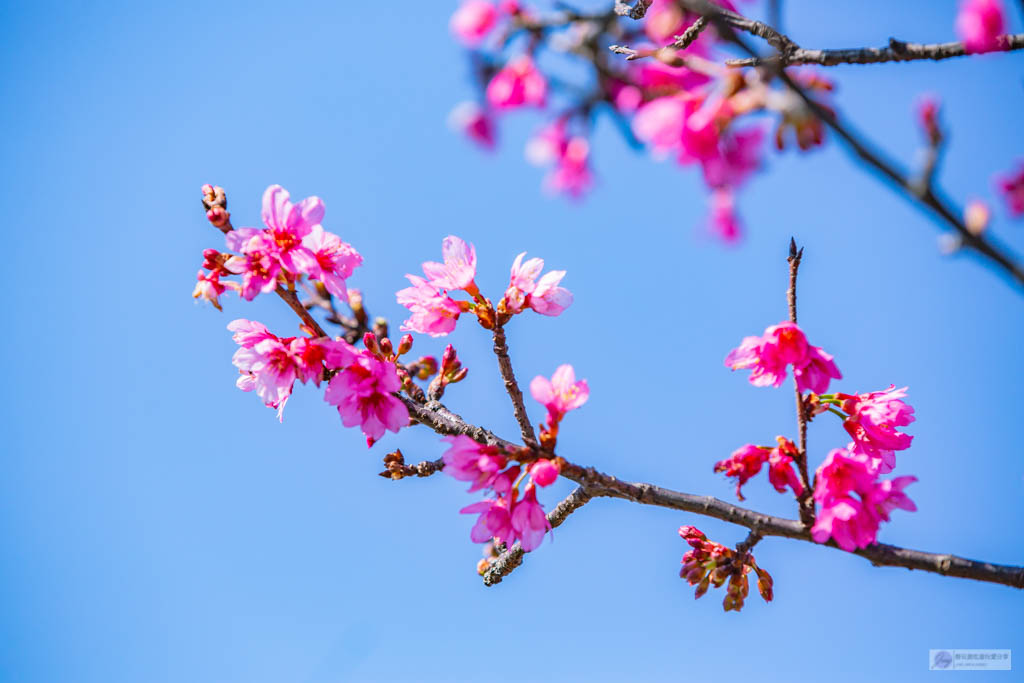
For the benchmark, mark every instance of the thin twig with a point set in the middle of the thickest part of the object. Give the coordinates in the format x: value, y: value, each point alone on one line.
x: 512, y: 387
x: 513, y: 557
x: 686, y: 38
x: 806, y: 502
x: 895, y: 51
x: 596, y: 483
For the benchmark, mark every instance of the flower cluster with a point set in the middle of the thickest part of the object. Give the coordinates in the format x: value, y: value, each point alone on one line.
x: 292, y: 245
x: 435, y: 312
x: 559, y: 395
x: 783, y: 345
x: 853, y: 501
x: 709, y: 564
x: 746, y: 461
x: 506, y: 517
x: 872, y: 421
x: 679, y: 103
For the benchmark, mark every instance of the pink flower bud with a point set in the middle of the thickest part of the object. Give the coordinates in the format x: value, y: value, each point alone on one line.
x: 544, y: 472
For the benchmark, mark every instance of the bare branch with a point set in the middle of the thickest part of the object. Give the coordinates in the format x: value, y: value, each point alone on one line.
x: 512, y: 387
x: 806, y: 502
x: 895, y: 51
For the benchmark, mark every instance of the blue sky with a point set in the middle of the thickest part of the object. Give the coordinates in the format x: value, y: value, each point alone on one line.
x: 159, y: 525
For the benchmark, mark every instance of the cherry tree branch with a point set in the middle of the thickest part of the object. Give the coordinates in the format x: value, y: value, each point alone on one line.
x: 513, y: 557
x: 806, y: 502
x: 442, y: 421
x: 895, y: 51
x: 512, y: 386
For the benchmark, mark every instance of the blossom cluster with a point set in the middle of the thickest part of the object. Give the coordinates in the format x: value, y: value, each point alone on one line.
x: 709, y: 564
x: 852, y: 498
x: 433, y: 311
x: 679, y: 103
x: 506, y: 518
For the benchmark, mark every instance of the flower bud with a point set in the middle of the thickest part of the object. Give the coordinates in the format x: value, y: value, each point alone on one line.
x: 404, y: 344
x: 370, y: 342
x: 386, y: 348
x: 218, y: 216
x: 544, y: 472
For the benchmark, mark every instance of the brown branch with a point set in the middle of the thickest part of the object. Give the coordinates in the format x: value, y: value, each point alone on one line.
x: 512, y: 387
x: 596, y: 484
x: 896, y: 51
x: 806, y: 502
x: 513, y: 557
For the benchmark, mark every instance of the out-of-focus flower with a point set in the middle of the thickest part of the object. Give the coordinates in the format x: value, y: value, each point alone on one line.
x: 1012, y: 187
x: 979, y: 23
x: 519, y: 83
x: 473, y: 20
x: 475, y: 123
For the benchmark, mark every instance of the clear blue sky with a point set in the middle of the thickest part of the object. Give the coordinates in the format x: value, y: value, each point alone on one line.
x: 159, y: 525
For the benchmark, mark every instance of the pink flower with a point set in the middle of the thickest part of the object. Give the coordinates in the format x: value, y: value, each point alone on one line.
x: 467, y: 460
x: 458, y: 269
x: 743, y: 464
x: 529, y: 521
x: 928, y: 117
x: 473, y: 20
x: 980, y: 23
x: 494, y: 521
x: 474, y: 123
x: 544, y: 296
x: 552, y: 145
x: 288, y: 224
x: 816, y: 372
x: 433, y: 313
x: 735, y: 157
x: 660, y: 123
x: 664, y: 19
x: 518, y: 84
x: 780, y: 468
x: 853, y: 522
x: 872, y: 422
x: 363, y: 392
x: 333, y: 260
x: 561, y: 393
x: 544, y: 472
x: 724, y: 222
x: 248, y: 333
x: 1012, y: 187
x: 257, y: 265
x: 209, y: 287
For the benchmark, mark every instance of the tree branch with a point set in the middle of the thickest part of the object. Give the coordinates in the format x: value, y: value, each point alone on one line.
x: 512, y: 387
x: 896, y: 51
x: 806, y: 502
x: 513, y: 557
x: 596, y: 484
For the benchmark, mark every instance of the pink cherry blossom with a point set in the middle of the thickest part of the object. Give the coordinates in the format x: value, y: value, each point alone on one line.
x: 561, y: 393
x: 660, y: 123
x: 287, y: 224
x: 845, y: 520
x: 744, y: 463
x: 1012, y: 187
x: 209, y: 287
x: 473, y: 20
x: 458, y: 269
x: 872, y: 422
x: 257, y: 265
x: 333, y: 260
x: 475, y: 123
x: 363, y: 392
x: 544, y: 296
x: 517, y: 84
x: 569, y: 155
x: 786, y: 341
x: 544, y: 472
x: 736, y: 156
x: 780, y: 468
x: 248, y: 333
x: 888, y: 495
x: 467, y: 460
x: 841, y: 473
x: 529, y: 521
x: 659, y: 79
x: 494, y: 521
x: 725, y: 223
x: 816, y: 372
x: 979, y: 24
x: 433, y: 313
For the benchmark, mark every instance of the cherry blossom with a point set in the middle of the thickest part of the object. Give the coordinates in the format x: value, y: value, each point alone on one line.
x: 473, y: 20
x: 363, y: 389
x: 872, y: 422
x: 517, y: 84
x: 979, y: 23
x: 561, y: 393
x: 467, y: 460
